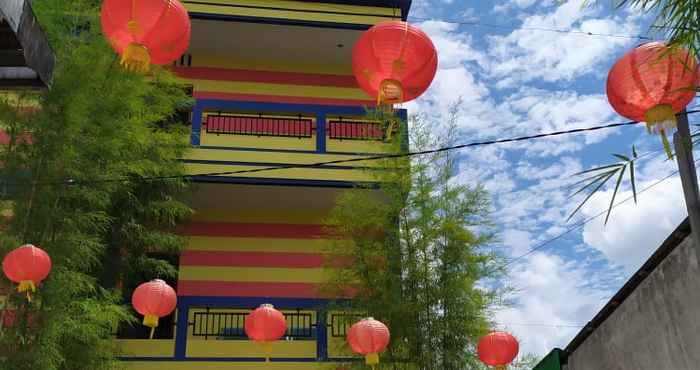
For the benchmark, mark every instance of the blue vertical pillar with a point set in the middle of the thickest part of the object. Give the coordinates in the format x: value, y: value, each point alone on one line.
x: 321, y: 335
x: 182, y: 326
x: 402, y: 114
x: 321, y: 132
x: 196, y: 124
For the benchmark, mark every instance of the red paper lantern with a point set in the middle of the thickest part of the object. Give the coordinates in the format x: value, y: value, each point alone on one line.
x: 369, y: 337
x: 652, y: 83
x: 154, y: 300
x: 497, y: 349
x: 394, y: 62
x: 27, y: 266
x: 265, y: 325
x: 146, y: 32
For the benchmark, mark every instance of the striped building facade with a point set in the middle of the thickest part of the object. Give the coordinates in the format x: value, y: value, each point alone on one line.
x: 273, y: 85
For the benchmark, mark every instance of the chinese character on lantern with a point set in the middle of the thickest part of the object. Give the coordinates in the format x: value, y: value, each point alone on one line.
x: 394, y: 62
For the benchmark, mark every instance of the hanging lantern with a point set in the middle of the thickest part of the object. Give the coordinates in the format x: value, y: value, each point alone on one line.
x: 369, y: 337
x: 154, y: 300
x: 27, y: 266
x: 394, y: 62
x: 497, y: 349
x: 652, y: 83
x: 146, y: 32
x: 265, y: 325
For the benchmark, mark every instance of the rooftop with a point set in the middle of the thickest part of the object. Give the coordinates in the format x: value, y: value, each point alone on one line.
x: 26, y: 59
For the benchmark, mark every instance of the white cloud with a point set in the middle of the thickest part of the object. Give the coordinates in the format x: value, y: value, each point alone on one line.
x: 527, y: 54
x: 523, y: 3
x: 505, y: 86
x: 518, y: 241
x: 550, y: 291
x: 547, y: 111
x: 518, y: 4
x: 635, y: 231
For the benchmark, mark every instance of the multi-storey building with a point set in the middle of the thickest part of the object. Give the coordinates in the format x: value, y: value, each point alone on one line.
x: 273, y: 85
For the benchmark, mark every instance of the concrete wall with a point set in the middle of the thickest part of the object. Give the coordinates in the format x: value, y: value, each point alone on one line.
x: 656, y: 328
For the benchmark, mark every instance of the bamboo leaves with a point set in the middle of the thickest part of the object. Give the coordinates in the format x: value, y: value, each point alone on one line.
x: 599, y: 176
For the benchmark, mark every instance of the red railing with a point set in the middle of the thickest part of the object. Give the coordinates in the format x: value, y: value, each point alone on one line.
x: 355, y: 130
x: 259, y: 126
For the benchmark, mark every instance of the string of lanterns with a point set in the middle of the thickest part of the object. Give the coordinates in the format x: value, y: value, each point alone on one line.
x: 28, y: 266
x: 393, y: 62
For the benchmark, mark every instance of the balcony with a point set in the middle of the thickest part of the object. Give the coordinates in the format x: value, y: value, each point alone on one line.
x: 216, y: 335
x: 240, y: 140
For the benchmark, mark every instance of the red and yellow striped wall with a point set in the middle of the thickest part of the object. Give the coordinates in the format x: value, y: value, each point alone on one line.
x: 291, y: 84
x: 237, y: 257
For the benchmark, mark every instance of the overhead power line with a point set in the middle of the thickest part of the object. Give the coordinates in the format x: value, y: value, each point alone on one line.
x: 536, y: 29
x: 476, y: 23
x: 542, y: 325
x: 582, y: 223
x: 339, y: 161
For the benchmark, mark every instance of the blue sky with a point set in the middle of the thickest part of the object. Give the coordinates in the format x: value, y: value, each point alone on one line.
x: 514, y: 82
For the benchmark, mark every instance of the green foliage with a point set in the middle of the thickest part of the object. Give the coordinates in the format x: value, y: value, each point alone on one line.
x: 104, y: 130
x: 419, y: 256
x: 676, y: 19
x: 599, y: 176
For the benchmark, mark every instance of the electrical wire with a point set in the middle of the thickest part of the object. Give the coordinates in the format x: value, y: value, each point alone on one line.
x: 339, y: 161
x: 536, y: 29
x: 582, y: 223
x: 542, y: 325
x: 516, y: 28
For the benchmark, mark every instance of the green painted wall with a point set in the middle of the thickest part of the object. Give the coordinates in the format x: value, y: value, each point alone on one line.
x: 551, y: 361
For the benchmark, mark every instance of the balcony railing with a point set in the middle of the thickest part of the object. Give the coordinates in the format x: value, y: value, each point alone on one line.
x: 340, y: 323
x: 220, y: 124
x: 355, y: 130
x: 230, y: 325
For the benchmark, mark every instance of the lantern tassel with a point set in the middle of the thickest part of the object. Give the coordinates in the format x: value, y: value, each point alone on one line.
x: 151, y: 321
x: 27, y: 286
x: 667, y: 145
x: 500, y: 367
x: 136, y: 58
x: 390, y: 92
x: 372, y: 359
x: 659, y: 119
x: 267, y: 349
